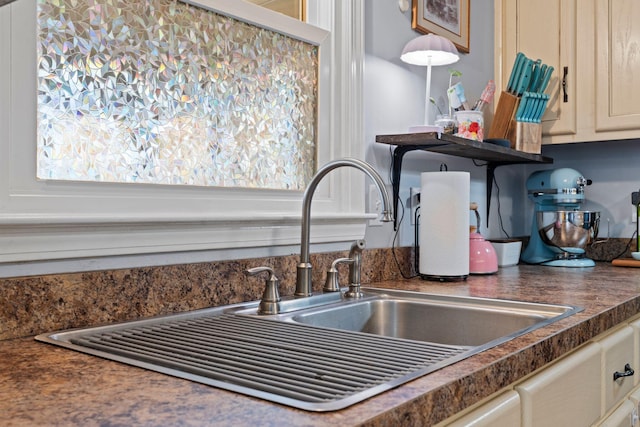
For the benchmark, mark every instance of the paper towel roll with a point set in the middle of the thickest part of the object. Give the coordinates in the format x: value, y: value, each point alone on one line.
x: 444, y: 225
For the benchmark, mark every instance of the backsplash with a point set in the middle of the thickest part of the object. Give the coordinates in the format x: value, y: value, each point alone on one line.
x: 33, y: 305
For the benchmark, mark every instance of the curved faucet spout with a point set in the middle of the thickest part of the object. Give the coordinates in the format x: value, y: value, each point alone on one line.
x: 303, y: 280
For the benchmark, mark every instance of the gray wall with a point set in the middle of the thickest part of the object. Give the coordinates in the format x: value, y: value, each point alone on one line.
x: 394, y: 100
x: 613, y: 166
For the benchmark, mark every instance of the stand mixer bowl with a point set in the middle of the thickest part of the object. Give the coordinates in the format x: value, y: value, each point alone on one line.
x: 568, y: 229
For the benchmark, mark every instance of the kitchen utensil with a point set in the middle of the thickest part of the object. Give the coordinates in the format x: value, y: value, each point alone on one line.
x: 486, y: 97
x: 542, y: 106
x: 536, y: 86
x: 526, y: 107
x: 532, y: 107
x: 525, y: 77
x: 568, y: 230
x: 521, y: 109
x: 545, y: 79
x: 560, y: 232
x: 457, y: 98
x: 515, y: 72
x: 482, y: 255
x: 535, y: 75
x: 626, y: 262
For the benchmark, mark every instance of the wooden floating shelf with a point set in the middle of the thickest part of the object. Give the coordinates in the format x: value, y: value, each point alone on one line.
x: 461, y: 147
x: 494, y: 155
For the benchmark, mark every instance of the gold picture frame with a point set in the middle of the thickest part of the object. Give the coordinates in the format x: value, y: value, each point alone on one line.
x: 447, y: 18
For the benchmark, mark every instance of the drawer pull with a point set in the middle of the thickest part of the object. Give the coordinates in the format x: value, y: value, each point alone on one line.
x: 565, y: 96
x: 628, y: 371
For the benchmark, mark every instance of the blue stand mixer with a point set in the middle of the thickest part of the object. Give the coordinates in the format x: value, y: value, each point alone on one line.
x: 560, y: 232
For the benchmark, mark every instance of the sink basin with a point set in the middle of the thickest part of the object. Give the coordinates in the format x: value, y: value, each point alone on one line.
x: 322, y: 353
x: 453, y: 320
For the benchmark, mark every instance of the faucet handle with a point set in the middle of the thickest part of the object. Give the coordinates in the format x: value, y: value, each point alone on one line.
x: 332, y: 284
x: 269, y: 304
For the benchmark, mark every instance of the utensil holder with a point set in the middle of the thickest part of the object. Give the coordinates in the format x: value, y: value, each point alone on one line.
x: 470, y: 124
x: 504, y: 116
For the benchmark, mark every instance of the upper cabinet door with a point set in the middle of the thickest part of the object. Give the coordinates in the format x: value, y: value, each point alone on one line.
x: 546, y: 30
x: 595, y: 52
x: 617, y: 82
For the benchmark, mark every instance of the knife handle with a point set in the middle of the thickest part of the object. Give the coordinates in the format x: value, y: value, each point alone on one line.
x: 520, y: 112
x: 525, y: 77
x: 515, y: 72
x: 547, y: 77
x: 535, y: 77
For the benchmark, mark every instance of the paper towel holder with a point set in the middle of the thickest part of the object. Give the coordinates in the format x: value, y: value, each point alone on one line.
x: 436, y: 278
x: 416, y: 262
x: 442, y: 231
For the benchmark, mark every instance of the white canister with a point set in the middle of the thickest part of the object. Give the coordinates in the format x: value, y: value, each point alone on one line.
x: 444, y: 225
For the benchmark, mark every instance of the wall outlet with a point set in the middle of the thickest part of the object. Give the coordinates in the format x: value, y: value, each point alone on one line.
x: 414, y: 203
x: 375, y: 206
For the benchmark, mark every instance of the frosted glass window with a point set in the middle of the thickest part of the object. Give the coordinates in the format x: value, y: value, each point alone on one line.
x: 162, y: 92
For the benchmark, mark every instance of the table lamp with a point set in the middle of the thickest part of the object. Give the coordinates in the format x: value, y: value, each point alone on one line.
x: 429, y: 50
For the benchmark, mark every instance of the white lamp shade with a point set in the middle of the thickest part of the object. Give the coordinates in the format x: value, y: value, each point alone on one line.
x: 430, y: 49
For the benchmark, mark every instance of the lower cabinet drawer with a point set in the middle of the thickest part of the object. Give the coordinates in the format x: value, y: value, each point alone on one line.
x: 568, y: 393
x: 623, y: 416
x: 618, y: 360
x: 502, y: 411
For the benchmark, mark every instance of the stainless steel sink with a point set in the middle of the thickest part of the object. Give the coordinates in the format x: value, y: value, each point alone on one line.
x: 441, y: 319
x: 324, y: 352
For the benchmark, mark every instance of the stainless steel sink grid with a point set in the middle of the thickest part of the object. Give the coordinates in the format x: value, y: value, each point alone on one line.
x: 297, y: 365
x: 303, y: 358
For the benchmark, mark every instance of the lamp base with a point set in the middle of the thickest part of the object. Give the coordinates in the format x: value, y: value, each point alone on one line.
x: 426, y: 128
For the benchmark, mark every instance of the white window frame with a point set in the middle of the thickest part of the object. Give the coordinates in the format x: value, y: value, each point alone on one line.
x: 54, y: 220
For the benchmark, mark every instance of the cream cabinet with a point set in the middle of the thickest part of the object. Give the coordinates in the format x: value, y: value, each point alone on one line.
x: 568, y: 393
x: 596, y: 385
x: 594, y: 47
x: 623, y: 416
x: 501, y: 411
x: 618, y: 366
x: 548, y: 33
x: 617, y: 59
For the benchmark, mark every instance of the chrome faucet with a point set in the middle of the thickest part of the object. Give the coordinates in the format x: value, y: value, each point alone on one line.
x: 303, y: 279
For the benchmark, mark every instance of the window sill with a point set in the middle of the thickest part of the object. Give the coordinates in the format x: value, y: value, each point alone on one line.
x: 33, y: 237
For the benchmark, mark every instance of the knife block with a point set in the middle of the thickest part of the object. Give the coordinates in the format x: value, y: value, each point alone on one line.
x: 527, y: 137
x: 504, y: 117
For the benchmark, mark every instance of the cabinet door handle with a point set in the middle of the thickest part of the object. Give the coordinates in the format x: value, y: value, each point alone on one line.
x: 565, y: 97
x: 628, y: 371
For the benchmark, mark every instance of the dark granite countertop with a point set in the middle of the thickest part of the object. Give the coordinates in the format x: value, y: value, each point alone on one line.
x: 45, y: 385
